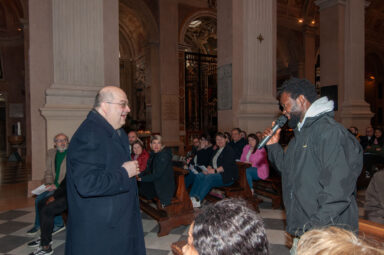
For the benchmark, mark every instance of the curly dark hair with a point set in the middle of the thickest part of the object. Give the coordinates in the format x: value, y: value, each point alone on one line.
x: 229, y: 227
x: 296, y: 87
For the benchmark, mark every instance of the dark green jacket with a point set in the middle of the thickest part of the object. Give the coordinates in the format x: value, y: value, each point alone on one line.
x: 319, y: 172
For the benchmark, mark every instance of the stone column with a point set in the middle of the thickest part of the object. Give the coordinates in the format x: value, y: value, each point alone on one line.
x: 309, y: 53
x: 169, y: 72
x: 247, y: 64
x: 342, y: 58
x: 355, y: 111
x: 80, y: 54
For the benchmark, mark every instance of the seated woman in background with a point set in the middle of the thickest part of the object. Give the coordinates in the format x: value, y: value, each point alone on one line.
x: 333, y: 241
x: 158, y: 178
x: 140, y: 154
x: 258, y: 159
x: 222, y: 171
x: 227, y: 227
x: 201, y: 159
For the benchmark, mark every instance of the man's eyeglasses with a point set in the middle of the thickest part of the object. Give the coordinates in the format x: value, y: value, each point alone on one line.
x: 122, y: 104
x: 61, y: 140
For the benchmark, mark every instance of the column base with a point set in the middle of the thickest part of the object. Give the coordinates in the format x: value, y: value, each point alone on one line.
x: 356, y: 114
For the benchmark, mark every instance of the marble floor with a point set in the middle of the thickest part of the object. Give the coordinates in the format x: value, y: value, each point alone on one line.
x: 15, y: 223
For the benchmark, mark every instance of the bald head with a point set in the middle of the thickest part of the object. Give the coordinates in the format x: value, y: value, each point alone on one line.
x: 112, y: 103
x: 106, y: 94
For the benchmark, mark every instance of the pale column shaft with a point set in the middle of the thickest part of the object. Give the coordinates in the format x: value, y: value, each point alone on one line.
x: 354, y: 51
x: 259, y: 57
x: 169, y: 66
x: 310, y: 54
x: 78, y: 48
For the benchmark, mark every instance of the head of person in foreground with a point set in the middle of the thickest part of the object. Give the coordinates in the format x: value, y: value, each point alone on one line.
x: 228, y: 227
x: 334, y: 241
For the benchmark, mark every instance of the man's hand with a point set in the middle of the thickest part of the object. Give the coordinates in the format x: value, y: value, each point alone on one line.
x: 51, y: 187
x: 275, y: 138
x: 50, y: 200
x: 132, y: 168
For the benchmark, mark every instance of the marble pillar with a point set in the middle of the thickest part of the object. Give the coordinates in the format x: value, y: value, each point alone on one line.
x: 82, y: 56
x: 169, y: 72
x: 247, y: 64
x: 342, y: 58
x: 309, y: 53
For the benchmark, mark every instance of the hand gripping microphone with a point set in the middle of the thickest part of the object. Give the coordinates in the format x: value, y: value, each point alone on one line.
x: 278, y: 124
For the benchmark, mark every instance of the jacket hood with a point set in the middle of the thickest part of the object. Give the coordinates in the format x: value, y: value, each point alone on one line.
x: 317, y: 108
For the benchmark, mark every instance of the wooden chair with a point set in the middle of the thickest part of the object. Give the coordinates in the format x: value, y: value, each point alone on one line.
x: 179, y: 212
x: 372, y: 232
x: 271, y: 188
x: 240, y: 189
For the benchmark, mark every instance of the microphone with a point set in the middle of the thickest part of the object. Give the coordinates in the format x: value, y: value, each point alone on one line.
x: 278, y: 124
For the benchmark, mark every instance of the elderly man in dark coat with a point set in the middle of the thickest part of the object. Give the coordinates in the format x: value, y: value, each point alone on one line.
x: 103, y: 206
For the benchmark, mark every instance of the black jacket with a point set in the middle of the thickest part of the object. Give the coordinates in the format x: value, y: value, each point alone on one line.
x: 160, y: 171
x: 204, y: 156
x: 319, y: 172
x: 226, y: 160
x: 61, y: 191
x: 238, y: 147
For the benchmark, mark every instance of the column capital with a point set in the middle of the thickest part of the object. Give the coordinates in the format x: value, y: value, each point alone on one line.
x: 323, y: 4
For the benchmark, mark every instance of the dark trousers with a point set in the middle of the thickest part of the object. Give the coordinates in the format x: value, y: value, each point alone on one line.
x: 47, y: 215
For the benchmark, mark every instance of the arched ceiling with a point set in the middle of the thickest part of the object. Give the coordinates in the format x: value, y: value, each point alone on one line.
x: 201, y: 35
x: 133, y: 36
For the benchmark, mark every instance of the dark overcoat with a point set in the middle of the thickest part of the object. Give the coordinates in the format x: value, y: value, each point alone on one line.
x: 103, y: 206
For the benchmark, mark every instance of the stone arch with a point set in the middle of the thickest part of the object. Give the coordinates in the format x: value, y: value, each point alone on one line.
x: 138, y: 31
x: 192, y: 17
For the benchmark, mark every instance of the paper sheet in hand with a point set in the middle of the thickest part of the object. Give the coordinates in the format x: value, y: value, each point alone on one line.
x: 39, y: 190
x: 203, y: 168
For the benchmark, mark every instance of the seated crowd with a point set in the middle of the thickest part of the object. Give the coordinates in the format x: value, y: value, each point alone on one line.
x: 226, y: 227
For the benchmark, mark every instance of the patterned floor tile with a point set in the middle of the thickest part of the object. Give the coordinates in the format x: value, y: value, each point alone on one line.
x: 152, y: 241
x: 13, y: 214
x: 9, y: 243
x: 12, y: 226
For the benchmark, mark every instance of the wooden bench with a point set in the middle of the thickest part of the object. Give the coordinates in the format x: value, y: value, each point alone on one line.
x: 239, y: 189
x: 179, y: 212
x: 271, y: 188
x: 372, y: 232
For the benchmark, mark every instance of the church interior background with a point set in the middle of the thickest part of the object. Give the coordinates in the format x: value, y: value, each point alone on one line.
x: 187, y: 66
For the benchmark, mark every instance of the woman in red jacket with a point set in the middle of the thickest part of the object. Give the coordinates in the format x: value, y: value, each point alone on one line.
x: 140, y: 154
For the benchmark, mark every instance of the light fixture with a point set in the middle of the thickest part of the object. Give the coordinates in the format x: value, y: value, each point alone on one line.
x: 19, y: 29
x: 301, y: 20
x: 313, y: 22
x: 372, y: 77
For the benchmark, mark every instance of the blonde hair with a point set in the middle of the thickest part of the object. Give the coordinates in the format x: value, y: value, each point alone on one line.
x: 334, y: 241
x: 157, y: 138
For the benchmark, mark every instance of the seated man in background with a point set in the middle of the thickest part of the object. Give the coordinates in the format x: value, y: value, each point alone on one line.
x: 366, y: 140
x: 237, y: 142
x: 227, y: 227
x: 54, y: 174
x: 49, y: 207
x: 374, y: 198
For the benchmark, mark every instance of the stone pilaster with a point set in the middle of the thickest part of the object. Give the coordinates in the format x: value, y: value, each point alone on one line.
x: 169, y: 66
x: 85, y: 58
x: 252, y: 39
x: 310, y: 54
x: 342, y: 57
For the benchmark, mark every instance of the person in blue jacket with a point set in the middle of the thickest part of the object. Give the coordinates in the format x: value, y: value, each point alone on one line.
x: 103, y: 206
